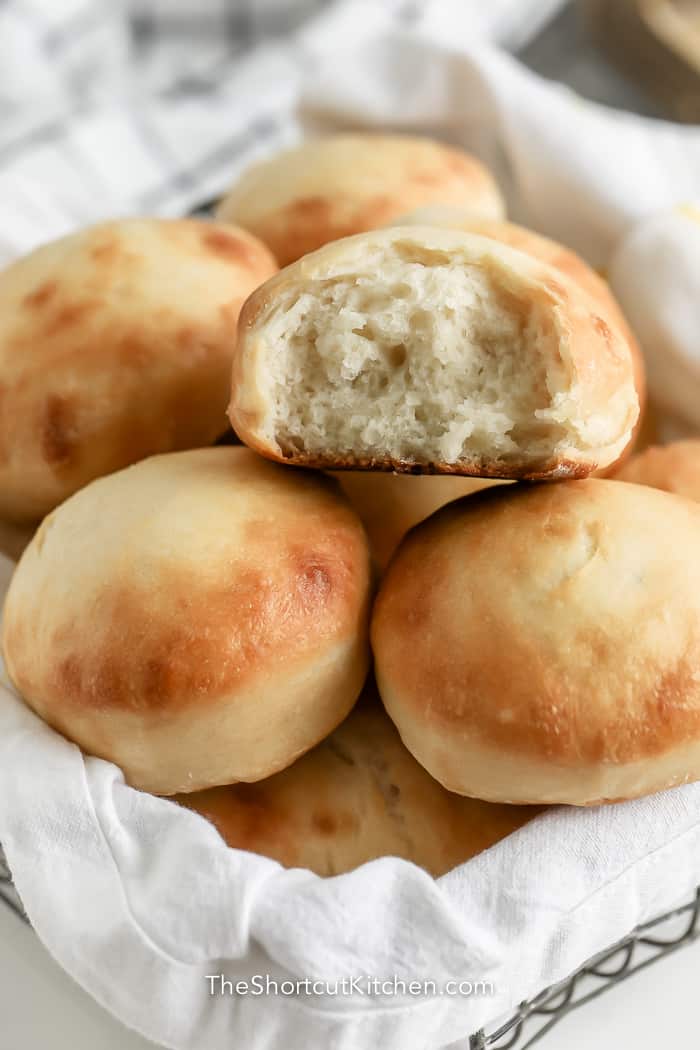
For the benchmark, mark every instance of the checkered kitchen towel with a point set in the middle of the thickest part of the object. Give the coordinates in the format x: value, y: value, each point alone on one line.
x: 110, y: 107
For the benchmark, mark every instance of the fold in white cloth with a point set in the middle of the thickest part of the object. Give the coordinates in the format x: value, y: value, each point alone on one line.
x: 140, y: 900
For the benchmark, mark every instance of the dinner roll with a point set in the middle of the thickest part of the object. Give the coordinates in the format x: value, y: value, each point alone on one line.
x: 115, y: 343
x: 548, y: 251
x: 357, y: 796
x: 391, y: 504
x: 674, y: 467
x: 542, y: 643
x: 332, y: 187
x: 199, y: 618
x: 420, y: 349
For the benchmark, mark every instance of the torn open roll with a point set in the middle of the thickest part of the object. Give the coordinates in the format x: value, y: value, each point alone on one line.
x: 427, y: 350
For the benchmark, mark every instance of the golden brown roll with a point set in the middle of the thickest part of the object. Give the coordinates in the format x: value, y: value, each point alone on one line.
x: 552, y: 253
x: 542, y: 643
x: 674, y: 467
x: 332, y: 187
x: 116, y: 343
x: 198, y: 618
x: 391, y: 504
x: 357, y: 796
x: 424, y: 350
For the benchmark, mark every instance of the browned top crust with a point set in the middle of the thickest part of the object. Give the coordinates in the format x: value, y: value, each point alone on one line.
x: 119, y: 603
x: 167, y: 615
x: 558, y: 623
x: 333, y: 187
x: 116, y: 343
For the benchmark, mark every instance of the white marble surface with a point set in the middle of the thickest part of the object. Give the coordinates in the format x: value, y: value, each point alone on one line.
x: 41, y: 1007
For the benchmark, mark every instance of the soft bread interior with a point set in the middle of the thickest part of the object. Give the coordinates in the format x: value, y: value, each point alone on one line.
x: 422, y: 357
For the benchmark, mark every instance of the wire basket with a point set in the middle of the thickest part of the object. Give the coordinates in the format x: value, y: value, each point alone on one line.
x: 533, y: 1019
x: 643, y: 946
x: 8, y: 893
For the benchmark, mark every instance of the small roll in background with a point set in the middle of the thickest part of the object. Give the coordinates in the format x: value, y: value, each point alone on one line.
x: 116, y: 343
x: 199, y: 618
x: 335, y: 186
x: 674, y: 468
x: 357, y: 796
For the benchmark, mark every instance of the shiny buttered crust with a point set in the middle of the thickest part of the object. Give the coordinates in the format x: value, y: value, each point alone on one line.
x: 391, y: 504
x: 359, y: 795
x: 674, y: 467
x: 550, y: 252
x: 199, y: 618
x: 542, y: 643
x: 116, y: 343
x: 427, y: 350
x: 332, y: 187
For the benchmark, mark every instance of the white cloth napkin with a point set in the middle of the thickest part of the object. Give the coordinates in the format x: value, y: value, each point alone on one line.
x: 655, y: 272
x: 140, y: 900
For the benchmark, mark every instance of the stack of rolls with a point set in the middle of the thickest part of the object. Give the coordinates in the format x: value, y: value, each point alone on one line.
x: 422, y: 407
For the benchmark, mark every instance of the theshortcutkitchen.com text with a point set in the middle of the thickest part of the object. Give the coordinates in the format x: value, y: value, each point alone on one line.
x: 265, y: 984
